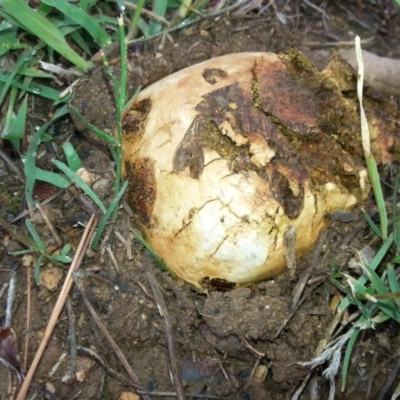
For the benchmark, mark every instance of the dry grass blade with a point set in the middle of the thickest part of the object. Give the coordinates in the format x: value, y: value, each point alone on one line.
x: 84, y: 243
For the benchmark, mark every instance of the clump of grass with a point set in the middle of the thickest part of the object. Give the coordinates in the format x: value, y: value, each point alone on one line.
x: 54, y: 26
x: 374, y: 295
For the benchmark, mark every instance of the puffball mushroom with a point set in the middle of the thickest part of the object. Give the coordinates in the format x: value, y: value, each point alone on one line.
x: 222, y: 157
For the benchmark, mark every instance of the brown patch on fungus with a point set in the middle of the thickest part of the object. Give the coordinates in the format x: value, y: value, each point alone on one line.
x: 142, y: 190
x: 135, y: 119
x: 190, y: 152
x: 212, y: 75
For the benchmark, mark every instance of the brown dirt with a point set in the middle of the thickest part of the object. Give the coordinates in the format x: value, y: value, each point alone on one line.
x: 221, y: 336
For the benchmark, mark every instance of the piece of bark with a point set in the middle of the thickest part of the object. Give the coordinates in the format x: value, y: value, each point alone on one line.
x: 381, y: 73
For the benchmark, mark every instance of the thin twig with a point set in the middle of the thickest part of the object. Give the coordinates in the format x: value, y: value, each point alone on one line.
x: 112, y: 258
x: 72, y: 344
x: 12, y: 166
x: 28, y: 316
x: 10, y: 297
x: 186, y: 23
x: 83, y: 245
x: 49, y: 225
x: 78, y: 277
x: 301, y: 284
x: 173, y: 394
x: 16, y: 235
x: 147, y: 13
x: 296, y: 302
x: 389, y: 381
x: 43, y: 203
x: 159, y: 299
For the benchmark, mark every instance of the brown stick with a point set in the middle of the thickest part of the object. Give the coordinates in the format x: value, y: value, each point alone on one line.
x: 84, y: 243
x: 158, y: 298
x: 133, y: 377
x: 382, y: 73
x: 28, y: 315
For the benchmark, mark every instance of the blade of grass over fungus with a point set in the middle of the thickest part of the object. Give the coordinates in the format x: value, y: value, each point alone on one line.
x: 366, y: 143
x: 123, y: 67
x: 83, y: 19
x: 80, y: 183
x: 37, y: 24
x: 141, y: 239
x: 128, y: 103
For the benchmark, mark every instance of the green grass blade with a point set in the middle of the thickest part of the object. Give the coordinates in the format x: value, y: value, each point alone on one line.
x: 373, y: 265
x: 123, y: 67
x: 80, y: 183
x: 38, y: 89
x: 63, y: 257
x: 36, y: 272
x: 22, y: 59
x: 378, y: 193
x: 372, y: 225
x: 346, y: 359
x: 110, y: 140
x: 21, y: 119
x: 160, y: 9
x: 31, y: 229
x: 127, y: 105
x: 40, y: 26
x: 10, y: 119
x: 72, y: 157
x: 113, y: 207
x: 34, y: 72
x: 377, y: 283
x: 9, y: 40
x: 141, y: 239
x: 396, y: 216
x: 81, y: 42
x: 83, y: 19
x: 30, y: 158
x: 135, y: 20
x: 389, y: 308
x: 392, y: 278
x: 53, y: 178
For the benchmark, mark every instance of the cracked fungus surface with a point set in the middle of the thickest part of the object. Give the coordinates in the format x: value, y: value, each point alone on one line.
x: 222, y: 157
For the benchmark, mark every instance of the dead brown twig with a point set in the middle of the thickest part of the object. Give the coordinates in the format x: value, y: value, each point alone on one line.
x: 301, y: 284
x: 78, y: 277
x: 162, y: 308
x: 84, y: 243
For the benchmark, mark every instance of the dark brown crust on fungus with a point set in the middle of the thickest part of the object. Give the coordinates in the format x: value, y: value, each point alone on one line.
x: 142, y: 190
